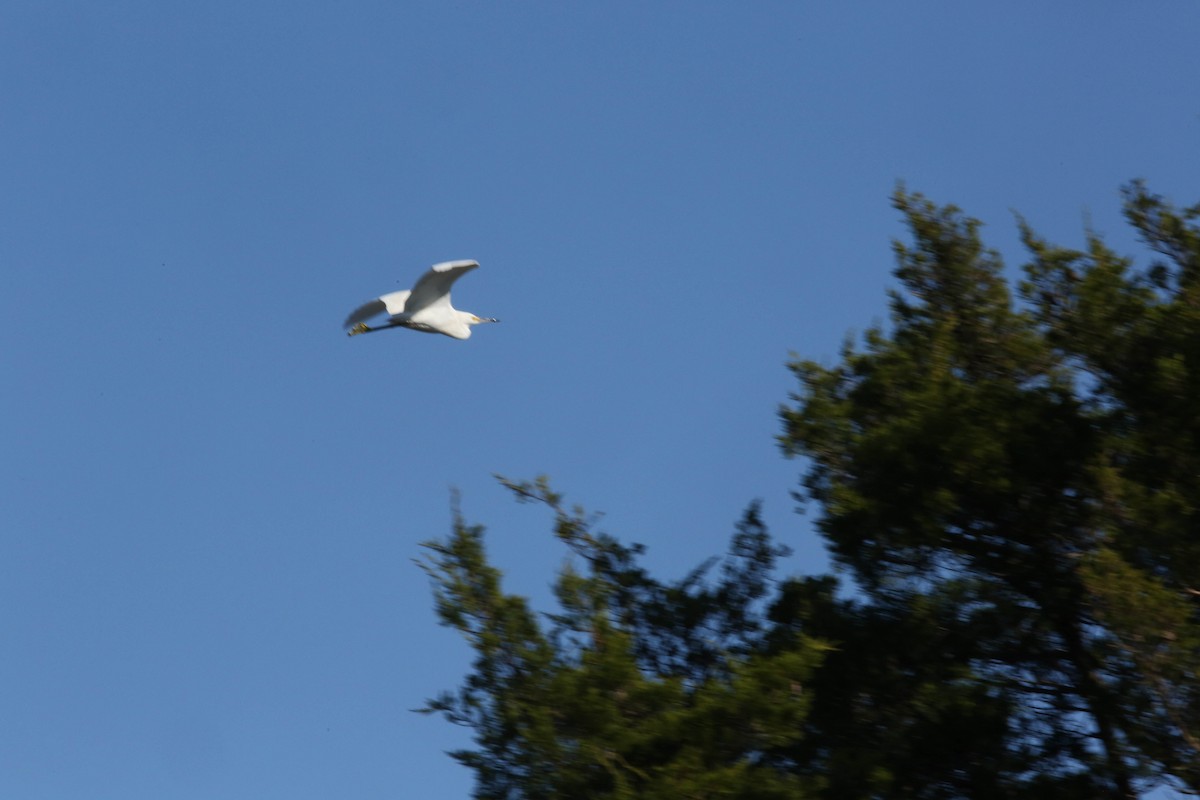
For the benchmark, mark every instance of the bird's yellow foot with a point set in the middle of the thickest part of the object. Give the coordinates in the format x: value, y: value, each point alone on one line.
x: 357, y: 329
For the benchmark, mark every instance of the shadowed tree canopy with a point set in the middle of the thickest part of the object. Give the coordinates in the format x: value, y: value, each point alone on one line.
x: 1035, y: 464
x: 1011, y: 477
x: 635, y: 688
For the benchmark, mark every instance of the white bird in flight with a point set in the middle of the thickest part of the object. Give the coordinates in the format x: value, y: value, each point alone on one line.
x: 426, y: 307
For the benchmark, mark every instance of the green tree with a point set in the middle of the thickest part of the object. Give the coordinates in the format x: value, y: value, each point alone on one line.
x: 635, y: 688
x: 898, y: 709
x: 1012, y: 479
x: 1033, y: 468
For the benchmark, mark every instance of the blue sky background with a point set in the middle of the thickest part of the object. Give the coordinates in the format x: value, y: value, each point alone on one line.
x: 211, y: 497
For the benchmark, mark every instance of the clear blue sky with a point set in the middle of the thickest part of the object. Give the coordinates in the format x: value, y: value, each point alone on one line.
x: 211, y: 497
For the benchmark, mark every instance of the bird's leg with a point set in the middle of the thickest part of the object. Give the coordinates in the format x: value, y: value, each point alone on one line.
x: 363, y: 327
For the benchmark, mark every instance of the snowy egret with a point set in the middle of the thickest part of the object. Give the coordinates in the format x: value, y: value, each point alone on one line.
x: 426, y: 307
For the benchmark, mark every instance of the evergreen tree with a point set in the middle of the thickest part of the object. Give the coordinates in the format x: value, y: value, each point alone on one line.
x: 635, y: 688
x: 1037, y: 467
x: 1013, y: 482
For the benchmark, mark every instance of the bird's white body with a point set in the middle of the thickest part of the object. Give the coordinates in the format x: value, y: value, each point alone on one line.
x: 426, y: 307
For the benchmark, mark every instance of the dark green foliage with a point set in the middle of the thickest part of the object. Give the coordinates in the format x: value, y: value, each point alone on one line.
x: 1013, y: 483
x: 1037, y: 468
x: 636, y: 688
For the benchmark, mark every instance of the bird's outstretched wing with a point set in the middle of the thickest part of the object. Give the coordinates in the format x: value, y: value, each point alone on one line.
x: 434, y: 286
x: 364, y: 313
